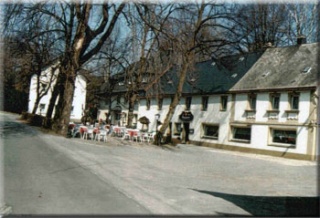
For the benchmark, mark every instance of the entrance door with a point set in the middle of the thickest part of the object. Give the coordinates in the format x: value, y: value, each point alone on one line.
x: 186, y: 129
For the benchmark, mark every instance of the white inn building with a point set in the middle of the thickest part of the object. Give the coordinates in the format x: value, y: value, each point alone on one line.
x: 264, y: 103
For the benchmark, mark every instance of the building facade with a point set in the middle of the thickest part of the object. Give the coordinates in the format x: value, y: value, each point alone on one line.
x: 262, y: 103
x: 47, y: 81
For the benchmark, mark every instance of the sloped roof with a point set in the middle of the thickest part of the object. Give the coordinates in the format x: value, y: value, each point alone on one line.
x: 283, y: 68
x: 211, y: 76
x: 207, y: 77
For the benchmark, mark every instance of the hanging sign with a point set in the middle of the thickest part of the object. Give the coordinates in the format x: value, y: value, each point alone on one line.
x: 186, y: 116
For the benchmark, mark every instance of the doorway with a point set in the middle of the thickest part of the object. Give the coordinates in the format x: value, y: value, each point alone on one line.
x: 186, y: 129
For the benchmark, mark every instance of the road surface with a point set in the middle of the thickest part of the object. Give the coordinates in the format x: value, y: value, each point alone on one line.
x: 48, y: 174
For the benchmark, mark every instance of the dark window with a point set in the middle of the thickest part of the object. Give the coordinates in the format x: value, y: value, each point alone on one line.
x: 242, y: 133
x: 294, y: 102
x: 160, y: 102
x: 284, y: 136
x: 42, y: 106
x: 252, y: 102
x: 275, y: 101
x: 211, y: 131
x: 205, y: 103
x: 223, y: 103
x: 148, y: 103
x: 188, y: 103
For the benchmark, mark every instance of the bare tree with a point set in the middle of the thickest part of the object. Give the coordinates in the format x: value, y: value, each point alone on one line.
x: 262, y: 25
x: 79, y: 33
x: 194, y: 29
x: 302, y: 20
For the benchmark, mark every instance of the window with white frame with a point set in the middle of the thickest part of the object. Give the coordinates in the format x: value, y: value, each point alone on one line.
x: 241, y: 133
x: 275, y: 101
x: 223, y: 103
x: 294, y: 101
x: 281, y: 136
x: 205, y: 103
x: 210, y: 131
x: 252, y: 101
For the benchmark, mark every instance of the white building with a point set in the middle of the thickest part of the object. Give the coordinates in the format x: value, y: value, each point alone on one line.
x: 48, y: 79
x: 259, y: 103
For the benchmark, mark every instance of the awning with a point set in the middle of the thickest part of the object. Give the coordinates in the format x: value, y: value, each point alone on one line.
x: 144, y: 120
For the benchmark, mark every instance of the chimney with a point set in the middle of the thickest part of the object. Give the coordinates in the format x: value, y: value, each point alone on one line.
x: 301, y: 40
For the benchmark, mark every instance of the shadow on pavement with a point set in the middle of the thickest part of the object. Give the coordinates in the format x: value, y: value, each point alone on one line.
x: 271, y: 206
x: 15, y: 129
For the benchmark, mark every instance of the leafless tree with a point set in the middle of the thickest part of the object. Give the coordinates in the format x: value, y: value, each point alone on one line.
x: 302, y: 20
x: 262, y: 25
x: 79, y: 34
x: 194, y: 29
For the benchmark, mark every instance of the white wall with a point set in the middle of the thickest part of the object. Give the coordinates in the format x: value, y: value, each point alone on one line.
x: 78, y: 101
x: 261, y: 130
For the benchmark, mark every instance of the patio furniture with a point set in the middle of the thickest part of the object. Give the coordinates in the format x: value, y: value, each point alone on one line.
x: 101, y: 134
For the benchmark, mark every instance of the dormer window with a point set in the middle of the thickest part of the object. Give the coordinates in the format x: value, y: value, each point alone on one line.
x: 266, y: 74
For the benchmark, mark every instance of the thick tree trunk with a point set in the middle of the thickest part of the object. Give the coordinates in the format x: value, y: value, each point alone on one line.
x: 63, y: 110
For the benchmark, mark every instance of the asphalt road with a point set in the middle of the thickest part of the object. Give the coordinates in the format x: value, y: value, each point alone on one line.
x: 41, y: 180
x: 47, y: 174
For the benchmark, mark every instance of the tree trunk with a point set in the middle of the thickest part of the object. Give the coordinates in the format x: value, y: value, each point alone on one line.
x: 176, y: 99
x: 132, y: 100
x: 63, y: 111
x: 36, y: 104
x: 54, y: 96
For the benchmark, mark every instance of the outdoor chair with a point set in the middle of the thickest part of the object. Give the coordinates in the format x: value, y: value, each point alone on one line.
x: 88, y: 132
x: 101, y: 134
x: 136, y: 136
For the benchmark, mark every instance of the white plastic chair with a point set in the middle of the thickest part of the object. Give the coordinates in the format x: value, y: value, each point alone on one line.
x: 101, y: 134
x: 136, y: 136
x: 89, y: 133
x: 126, y: 135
